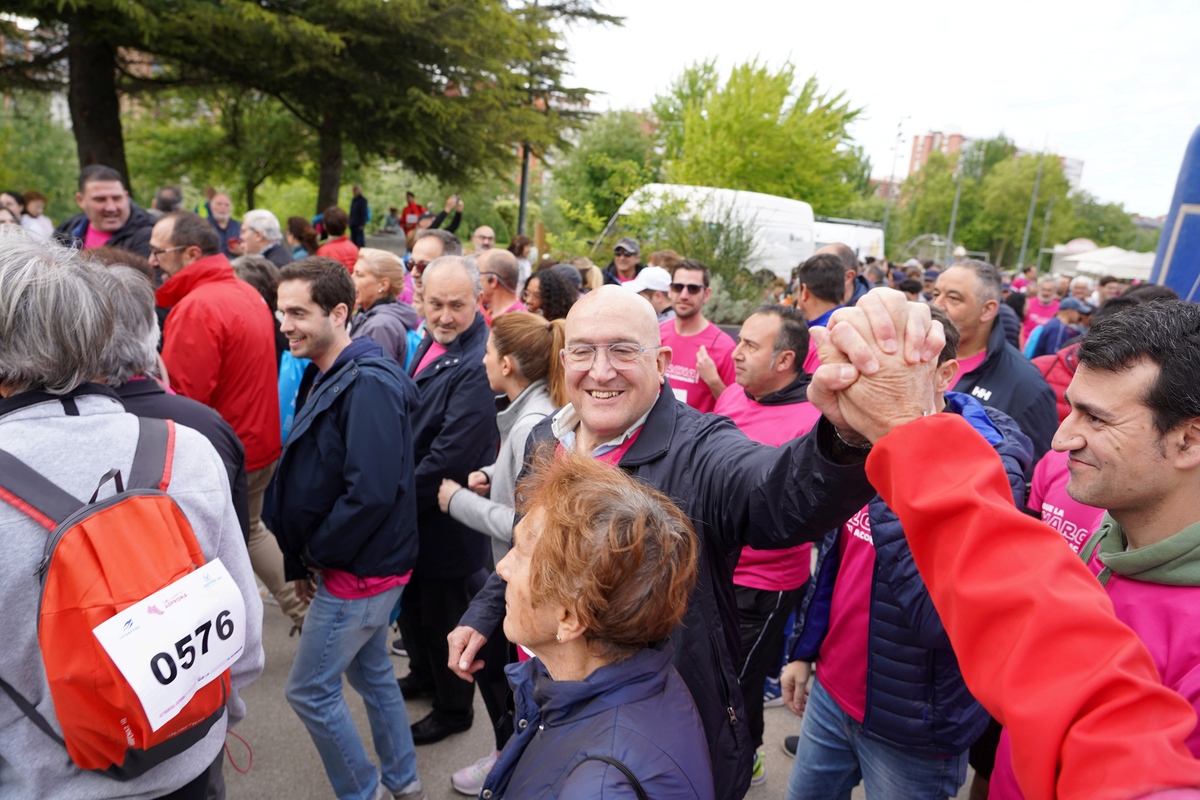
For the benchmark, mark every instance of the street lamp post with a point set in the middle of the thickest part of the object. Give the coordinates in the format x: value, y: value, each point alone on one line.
x: 1037, y: 182
x: 958, y: 180
x: 1045, y: 227
x: 887, y: 208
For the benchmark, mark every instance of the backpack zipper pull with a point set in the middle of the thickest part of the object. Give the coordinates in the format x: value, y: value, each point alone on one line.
x: 40, y: 572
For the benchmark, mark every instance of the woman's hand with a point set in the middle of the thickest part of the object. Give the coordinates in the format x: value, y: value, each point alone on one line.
x: 447, y: 491
x: 479, y: 483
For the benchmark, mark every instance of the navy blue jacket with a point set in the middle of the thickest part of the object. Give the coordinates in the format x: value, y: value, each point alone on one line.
x: 1008, y: 382
x: 736, y: 492
x: 344, y: 491
x: 455, y: 433
x: 916, y: 698
x: 636, y: 710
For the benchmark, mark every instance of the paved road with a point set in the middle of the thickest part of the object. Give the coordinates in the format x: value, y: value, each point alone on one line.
x: 286, y: 763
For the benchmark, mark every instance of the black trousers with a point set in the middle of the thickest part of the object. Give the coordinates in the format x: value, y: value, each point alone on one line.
x: 493, y: 684
x: 762, y: 618
x: 357, y: 237
x: 431, y: 608
x: 195, y: 790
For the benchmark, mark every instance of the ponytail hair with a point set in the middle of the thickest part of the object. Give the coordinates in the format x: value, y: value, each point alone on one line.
x: 534, y: 344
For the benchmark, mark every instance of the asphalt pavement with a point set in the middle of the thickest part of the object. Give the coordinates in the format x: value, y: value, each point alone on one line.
x: 286, y: 765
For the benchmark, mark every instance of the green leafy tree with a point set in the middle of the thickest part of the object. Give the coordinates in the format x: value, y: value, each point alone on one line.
x: 980, y: 156
x: 927, y: 200
x: 1106, y: 224
x: 757, y: 132
x: 615, y: 155
x: 999, y: 225
x: 228, y: 137
x: 446, y: 86
x: 37, y: 152
x: 687, y: 91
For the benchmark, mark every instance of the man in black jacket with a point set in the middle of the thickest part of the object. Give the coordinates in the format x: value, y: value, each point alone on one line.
x: 358, y: 217
x: 454, y: 433
x: 992, y: 370
x: 345, y: 505
x: 109, y: 218
x: 735, y: 491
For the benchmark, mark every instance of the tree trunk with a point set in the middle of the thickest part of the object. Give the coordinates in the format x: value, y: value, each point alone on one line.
x: 93, y: 99
x: 330, y: 161
x: 251, y: 187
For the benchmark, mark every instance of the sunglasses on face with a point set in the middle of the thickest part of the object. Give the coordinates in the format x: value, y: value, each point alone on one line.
x: 692, y: 288
x: 621, y: 251
x: 417, y: 267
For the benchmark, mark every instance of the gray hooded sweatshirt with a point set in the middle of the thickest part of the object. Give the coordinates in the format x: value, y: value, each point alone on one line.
x: 494, y: 516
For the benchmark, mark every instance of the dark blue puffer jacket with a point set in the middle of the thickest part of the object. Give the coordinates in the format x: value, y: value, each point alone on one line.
x: 636, y: 710
x: 916, y: 698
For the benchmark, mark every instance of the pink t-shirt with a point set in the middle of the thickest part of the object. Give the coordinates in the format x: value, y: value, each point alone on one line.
x: 345, y: 586
x: 842, y: 659
x: 433, y: 353
x: 1048, y: 494
x: 94, y: 238
x: 770, y: 570
x: 684, y: 377
x: 968, y: 365
x: 1037, y: 314
x: 812, y: 360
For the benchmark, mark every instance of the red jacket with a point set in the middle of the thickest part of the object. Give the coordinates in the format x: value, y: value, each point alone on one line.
x: 1058, y: 369
x: 1034, y: 632
x: 340, y: 249
x: 409, y: 215
x: 219, y: 348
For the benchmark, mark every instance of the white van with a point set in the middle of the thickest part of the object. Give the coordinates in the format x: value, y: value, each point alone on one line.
x: 787, y: 231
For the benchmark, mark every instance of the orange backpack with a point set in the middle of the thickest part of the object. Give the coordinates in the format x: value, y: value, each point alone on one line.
x: 100, y: 558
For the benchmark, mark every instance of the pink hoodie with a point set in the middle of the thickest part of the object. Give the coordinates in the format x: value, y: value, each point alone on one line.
x: 770, y: 570
x: 1166, y: 619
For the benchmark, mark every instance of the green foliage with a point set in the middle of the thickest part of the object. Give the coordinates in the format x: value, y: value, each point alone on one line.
x: 1106, y: 224
x: 37, y: 152
x: 982, y: 155
x: 615, y: 155
x: 509, y: 210
x: 229, y: 138
x: 757, y: 133
x: 1006, y: 192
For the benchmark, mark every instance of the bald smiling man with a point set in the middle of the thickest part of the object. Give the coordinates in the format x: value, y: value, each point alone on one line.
x: 736, y: 493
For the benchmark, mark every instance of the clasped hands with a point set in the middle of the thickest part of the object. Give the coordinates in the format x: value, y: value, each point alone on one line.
x: 877, y: 365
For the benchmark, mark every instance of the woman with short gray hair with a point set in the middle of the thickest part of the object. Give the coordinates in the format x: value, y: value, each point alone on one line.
x: 55, y: 317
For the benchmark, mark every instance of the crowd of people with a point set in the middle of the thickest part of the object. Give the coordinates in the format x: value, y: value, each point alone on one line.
x: 568, y: 487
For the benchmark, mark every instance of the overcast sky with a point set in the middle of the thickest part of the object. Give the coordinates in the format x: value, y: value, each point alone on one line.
x: 1115, y: 83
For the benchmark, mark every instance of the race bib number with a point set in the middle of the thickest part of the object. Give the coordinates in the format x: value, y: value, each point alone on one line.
x: 178, y: 639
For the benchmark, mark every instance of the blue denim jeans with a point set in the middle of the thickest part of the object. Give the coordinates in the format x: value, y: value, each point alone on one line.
x: 833, y: 756
x: 350, y: 637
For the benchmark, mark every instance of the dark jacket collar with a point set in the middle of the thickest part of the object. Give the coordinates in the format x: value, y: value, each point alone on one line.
x: 794, y: 392
x: 654, y: 441
x: 139, y: 387
x: 638, y: 677
x: 453, y: 350
x: 358, y: 348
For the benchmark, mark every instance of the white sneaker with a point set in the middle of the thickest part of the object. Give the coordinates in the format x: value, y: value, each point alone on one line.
x: 412, y: 791
x: 469, y: 780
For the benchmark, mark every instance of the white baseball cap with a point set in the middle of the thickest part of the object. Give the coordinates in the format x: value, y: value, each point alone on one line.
x: 655, y: 279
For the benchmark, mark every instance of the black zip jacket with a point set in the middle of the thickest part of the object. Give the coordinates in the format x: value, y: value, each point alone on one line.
x: 1008, y: 381
x: 736, y: 492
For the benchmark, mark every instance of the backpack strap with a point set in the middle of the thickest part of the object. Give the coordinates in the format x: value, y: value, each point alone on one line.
x: 637, y: 787
x: 33, y: 494
x: 154, y: 455
x: 28, y: 710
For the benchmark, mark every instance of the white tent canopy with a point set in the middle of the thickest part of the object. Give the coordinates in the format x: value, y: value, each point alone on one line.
x: 1124, y: 264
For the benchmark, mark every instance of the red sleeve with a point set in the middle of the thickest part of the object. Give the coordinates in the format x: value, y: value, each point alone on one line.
x: 191, y: 353
x: 1034, y: 632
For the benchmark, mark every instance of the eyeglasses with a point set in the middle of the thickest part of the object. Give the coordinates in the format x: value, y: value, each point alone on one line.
x: 622, y: 355
x: 530, y: 294
x: 417, y: 267
x: 155, y: 252
x: 692, y: 288
x: 621, y: 251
